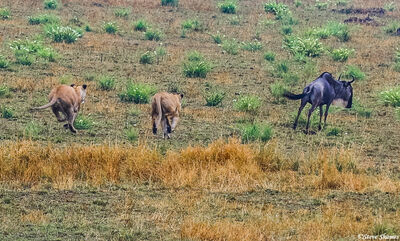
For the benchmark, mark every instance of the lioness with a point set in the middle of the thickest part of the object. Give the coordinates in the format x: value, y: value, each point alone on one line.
x: 163, y: 106
x: 66, y: 99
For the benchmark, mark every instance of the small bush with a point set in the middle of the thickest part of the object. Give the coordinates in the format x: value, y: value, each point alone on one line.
x: 43, y: 19
x: 196, y: 69
x: 141, y: 25
x: 341, y: 3
x: 6, y: 112
x: 132, y: 134
x: 256, y: 132
x: 83, y: 123
x: 308, y: 46
x: 194, y: 56
x: 354, y: 71
x: 392, y: 27
x: 281, y: 68
x: 280, y: 10
x: 287, y: 29
x: 321, y: 33
x: 252, y: 46
x: 341, y: 54
x: 230, y: 46
x: 160, y: 52
x: 297, y: 3
x: 50, y: 4
x: 269, y: 56
x: 62, y: 34
x: 147, y: 58
x: 192, y: 24
x: 4, y: 63
x: 5, y: 13
x: 32, y: 130
x: 88, y: 28
x: 110, y: 27
x: 4, y: 91
x: 174, y: 87
x: 228, y: 6
x: 339, y: 30
x: 137, y: 93
x: 26, y: 51
x: 333, y: 131
x: 214, y: 97
x: 391, y: 97
x: 48, y: 54
x: 390, y: 7
x: 217, y: 38
x: 153, y: 34
x: 277, y: 90
x: 106, y: 82
x: 122, y: 12
x: 173, y: 3
x: 248, y: 103
x: 321, y: 5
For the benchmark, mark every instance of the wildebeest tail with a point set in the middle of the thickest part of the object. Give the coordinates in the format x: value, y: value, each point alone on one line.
x: 292, y: 96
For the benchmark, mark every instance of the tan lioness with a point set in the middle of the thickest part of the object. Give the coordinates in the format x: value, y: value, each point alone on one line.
x: 66, y: 99
x: 164, y: 106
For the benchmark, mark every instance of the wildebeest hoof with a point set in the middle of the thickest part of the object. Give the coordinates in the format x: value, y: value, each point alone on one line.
x: 308, y: 132
x: 66, y: 126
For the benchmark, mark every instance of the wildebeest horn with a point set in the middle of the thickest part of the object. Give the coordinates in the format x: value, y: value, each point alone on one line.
x: 352, y: 80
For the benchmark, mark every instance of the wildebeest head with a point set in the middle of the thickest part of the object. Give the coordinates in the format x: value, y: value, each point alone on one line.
x: 346, y: 93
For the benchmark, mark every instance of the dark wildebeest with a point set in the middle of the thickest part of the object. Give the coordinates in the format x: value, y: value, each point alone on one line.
x: 325, y: 90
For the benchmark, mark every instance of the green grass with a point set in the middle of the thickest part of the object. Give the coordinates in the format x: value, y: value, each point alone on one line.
x: 147, y: 57
x: 50, y: 4
x: 4, y: 63
x: 5, y: 13
x: 277, y: 90
x: 391, y: 97
x: 132, y: 134
x: 110, y: 27
x: 106, y: 82
x: 214, y: 96
x: 217, y: 38
x: 333, y: 131
x: 321, y: 5
x: 122, y: 12
x: 6, y: 112
x: 141, y: 25
x: 137, y: 93
x: 4, y: 91
x: 228, y: 6
x: 43, y: 19
x: 269, y: 56
x: 195, y: 66
x: 392, y: 27
x: 83, y: 122
x: 28, y: 52
x: 62, y: 34
x: 192, y: 24
x: 153, y: 34
x: 32, y: 130
x: 230, y: 46
x: 342, y: 54
x: 252, y: 46
x: 256, y: 132
x: 354, y: 71
x: 280, y: 10
x: 248, y: 103
x: 306, y: 46
x: 173, y: 3
x: 390, y: 7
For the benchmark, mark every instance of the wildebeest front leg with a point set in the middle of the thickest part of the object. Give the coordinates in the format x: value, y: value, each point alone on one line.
x: 303, y: 103
x: 326, y: 114
x: 309, y: 115
x: 320, y: 117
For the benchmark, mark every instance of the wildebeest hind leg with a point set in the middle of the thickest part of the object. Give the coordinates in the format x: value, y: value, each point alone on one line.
x: 303, y: 103
x: 320, y: 117
x: 309, y: 115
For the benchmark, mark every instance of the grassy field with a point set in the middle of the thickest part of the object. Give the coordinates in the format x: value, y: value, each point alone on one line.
x: 233, y: 171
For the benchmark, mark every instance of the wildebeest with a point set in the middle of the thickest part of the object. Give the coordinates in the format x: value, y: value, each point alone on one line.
x: 324, y: 90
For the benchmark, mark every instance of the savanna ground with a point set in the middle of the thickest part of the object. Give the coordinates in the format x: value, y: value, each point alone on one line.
x: 204, y: 184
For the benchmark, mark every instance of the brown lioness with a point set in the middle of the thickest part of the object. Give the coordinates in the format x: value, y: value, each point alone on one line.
x: 66, y: 99
x: 163, y: 106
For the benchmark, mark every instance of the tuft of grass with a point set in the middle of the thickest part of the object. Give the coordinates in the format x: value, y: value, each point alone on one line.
x: 147, y: 57
x: 122, y: 12
x: 192, y: 24
x: 4, y: 91
x: 384, y: 229
x: 339, y: 30
x: 50, y: 4
x: 297, y: 3
x: 173, y: 3
x: 5, y: 13
x: 132, y: 134
x: 333, y: 131
x: 230, y: 46
x: 43, y: 19
x: 88, y: 28
x: 32, y: 130
x: 307, y: 46
x: 391, y: 97
x: 390, y: 7
x: 341, y: 54
x: 248, y: 103
x: 217, y: 38
x: 153, y: 34
x: 256, y: 132
x: 281, y: 68
x: 4, y: 63
x: 269, y: 56
x: 277, y: 90
x: 83, y: 122
x: 137, y: 93
x: 106, y: 82
x: 27, y: 52
x: 359, y: 109
x: 62, y: 34
x: 321, y: 5
x: 354, y: 71
x: 110, y: 27
x: 135, y: 112
x: 280, y: 10
x: 397, y: 114
x: 6, y: 112
x: 213, y: 96
x: 252, y: 46
x: 196, y: 66
x: 228, y: 6
x: 287, y: 29
x: 141, y: 25
x: 234, y: 20
x: 342, y: 3
x: 392, y: 27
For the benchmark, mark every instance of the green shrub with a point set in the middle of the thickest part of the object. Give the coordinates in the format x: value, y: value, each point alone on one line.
x: 280, y: 10
x: 196, y: 69
x: 153, y: 34
x: 384, y: 228
x: 32, y: 129
x: 392, y: 27
x: 287, y: 29
x: 169, y: 3
x: 43, y: 19
x: 141, y: 25
x: 339, y: 30
x: 122, y: 12
x: 341, y: 54
x: 5, y: 13
x: 256, y: 132
x: 217, y: 38
x: 48, y: 54
x: 110, y: 27
x: 50, y: 4
x: 214, y: 96
x: 194, y: 56
x: 160, y: 52
x: 132, y: 134
x: 26, y: 51
x: 4, y: 63
x: 342, y: 3
x: 321, y: 5
x: 321, y: 33
x: 290, y: 78
x: 248, y: 103
x: 297, y: 3
x: 281, y: 68
x: 137, y: 93
x: 252, y: 46
x: 333, y: 131
x: 277, y: 90
x: 88, y: 28
x: 354, y: 71
x: 192, y: 24
x: 269, y: 56
x: 62, y: 34
x: 391, y: 97
x: 106, y: 82
x: 4, y: 91
x: 230, y: 46
x: 83, y: 123
x: 308, y: 46
x: 6, y: 112
x: 147, y: 58
x: 228, y: 6
x: 390, y: 7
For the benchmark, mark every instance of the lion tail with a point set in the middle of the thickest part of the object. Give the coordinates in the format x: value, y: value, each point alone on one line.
x: 52, y: 102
